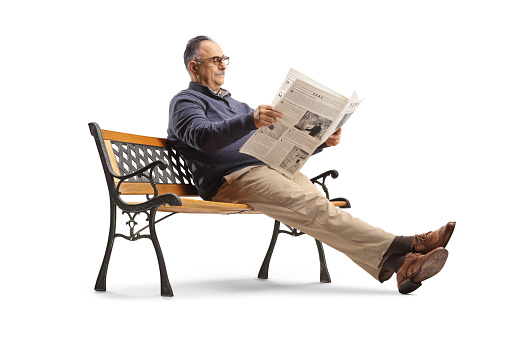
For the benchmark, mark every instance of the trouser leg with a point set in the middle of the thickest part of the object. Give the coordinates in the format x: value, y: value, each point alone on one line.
x: 299, y: 204
x: 378, y: 273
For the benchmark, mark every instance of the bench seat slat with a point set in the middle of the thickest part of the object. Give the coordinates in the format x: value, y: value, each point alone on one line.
x: 211, y: 207
x: 142, y: 188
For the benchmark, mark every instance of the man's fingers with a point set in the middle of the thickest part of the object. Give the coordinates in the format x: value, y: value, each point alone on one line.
x: 265, y: 116
x: 271, y: 114
x: 276, y: 114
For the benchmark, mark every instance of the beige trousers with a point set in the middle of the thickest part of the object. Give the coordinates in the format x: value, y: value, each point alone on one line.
x: 298, y: 203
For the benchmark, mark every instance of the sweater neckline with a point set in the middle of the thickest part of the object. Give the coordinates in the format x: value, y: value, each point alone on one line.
x: 207, y: 91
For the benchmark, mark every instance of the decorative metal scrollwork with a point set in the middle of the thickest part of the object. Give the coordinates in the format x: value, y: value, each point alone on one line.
x: 294, y: 232
x: 133, y: 236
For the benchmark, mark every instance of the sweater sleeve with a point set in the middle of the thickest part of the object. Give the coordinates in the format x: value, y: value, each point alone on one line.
x: 191, y: 126
x: 320, y: 148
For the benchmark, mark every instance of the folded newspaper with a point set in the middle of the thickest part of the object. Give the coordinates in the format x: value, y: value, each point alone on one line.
x: 311, y: 114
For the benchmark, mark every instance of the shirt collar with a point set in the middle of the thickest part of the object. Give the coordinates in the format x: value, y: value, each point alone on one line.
x: 206, y: 90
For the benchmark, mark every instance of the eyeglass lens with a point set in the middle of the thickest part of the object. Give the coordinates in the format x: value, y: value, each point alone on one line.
x: 217, y: 60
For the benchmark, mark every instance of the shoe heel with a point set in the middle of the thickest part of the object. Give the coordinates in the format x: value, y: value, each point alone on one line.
x: 408, y: 287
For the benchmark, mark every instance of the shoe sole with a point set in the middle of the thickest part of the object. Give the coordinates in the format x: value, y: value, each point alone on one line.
x: 431, y: 267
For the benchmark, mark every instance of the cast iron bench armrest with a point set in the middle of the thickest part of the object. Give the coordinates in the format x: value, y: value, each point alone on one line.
x: 316, y: 180
x: 333, y: 173
x: 164, y: 199
x: 141, y: 173
x: 150, y: 166
x: 157, y: 200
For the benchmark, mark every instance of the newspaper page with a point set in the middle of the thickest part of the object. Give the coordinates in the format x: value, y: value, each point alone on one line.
x: 311, y: 113
x: 294, y: 75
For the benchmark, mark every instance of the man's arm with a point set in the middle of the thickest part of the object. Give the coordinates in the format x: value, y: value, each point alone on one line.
x: 190, y: 124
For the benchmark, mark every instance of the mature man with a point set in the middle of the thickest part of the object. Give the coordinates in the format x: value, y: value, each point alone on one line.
x: 208, y: 127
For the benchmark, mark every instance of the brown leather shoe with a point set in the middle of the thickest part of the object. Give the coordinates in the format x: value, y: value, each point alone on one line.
x: 419, y: 267
x: 427, y: 242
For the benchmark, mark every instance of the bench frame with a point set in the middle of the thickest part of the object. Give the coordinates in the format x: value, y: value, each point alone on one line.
x: 152, y: 167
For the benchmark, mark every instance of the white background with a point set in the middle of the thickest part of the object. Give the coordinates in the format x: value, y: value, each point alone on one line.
x: 428, y: 145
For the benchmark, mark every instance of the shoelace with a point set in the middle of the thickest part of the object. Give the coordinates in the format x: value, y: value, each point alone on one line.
x: 421, y: 237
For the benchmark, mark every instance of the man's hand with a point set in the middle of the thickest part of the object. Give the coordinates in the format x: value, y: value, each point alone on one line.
x: 265, y: 116
x: 334, y: 139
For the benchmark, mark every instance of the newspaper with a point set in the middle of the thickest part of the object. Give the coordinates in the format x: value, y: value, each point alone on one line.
x: 311, y: 114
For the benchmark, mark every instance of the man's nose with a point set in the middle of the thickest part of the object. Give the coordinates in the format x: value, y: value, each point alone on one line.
x: 222, y: 65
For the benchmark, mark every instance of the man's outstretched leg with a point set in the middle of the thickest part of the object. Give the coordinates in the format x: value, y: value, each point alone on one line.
x: 299, y: 204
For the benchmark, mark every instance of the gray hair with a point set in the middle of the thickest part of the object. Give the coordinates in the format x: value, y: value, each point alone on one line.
x: 192, y: 51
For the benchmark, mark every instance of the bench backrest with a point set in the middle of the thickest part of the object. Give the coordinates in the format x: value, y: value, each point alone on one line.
x: 123, y: 153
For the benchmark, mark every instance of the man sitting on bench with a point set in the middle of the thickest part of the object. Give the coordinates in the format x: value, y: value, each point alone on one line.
x: 208, y: 127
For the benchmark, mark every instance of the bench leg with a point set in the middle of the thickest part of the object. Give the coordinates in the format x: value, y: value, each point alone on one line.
x: 100, y: 284
x: 166, y: 290
x: 264, y: 270
x: 324, y: 272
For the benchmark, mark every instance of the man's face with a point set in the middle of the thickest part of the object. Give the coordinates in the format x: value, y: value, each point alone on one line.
x: 206, y: 72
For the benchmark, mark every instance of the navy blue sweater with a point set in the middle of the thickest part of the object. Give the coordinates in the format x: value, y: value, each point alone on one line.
x: 209, y: 130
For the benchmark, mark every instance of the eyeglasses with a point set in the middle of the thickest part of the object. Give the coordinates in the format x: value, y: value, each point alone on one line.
x: 217, y: 60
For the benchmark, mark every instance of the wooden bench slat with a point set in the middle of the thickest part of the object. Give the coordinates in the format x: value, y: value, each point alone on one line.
x: 142, y: 188
x: 133, y: 138
x: 211, y: 207
x: 111, y: 155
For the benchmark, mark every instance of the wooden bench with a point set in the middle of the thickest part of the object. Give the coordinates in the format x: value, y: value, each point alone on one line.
x: 153, y: 169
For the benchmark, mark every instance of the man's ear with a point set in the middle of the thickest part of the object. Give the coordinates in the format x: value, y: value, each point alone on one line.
x: 193, y: 67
